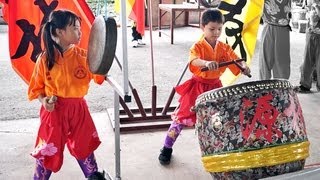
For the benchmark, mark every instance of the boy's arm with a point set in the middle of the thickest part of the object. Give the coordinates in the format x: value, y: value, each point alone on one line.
x: 212, y: 65
x: 195, y: 60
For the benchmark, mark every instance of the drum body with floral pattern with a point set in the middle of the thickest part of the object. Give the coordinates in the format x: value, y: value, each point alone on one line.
x: 251, y: 130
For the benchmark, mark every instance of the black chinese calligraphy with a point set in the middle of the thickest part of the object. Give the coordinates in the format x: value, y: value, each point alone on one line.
x: 46, y: 9
x: 29, y: 35
x: 27, y: 38
x: 235, y: 33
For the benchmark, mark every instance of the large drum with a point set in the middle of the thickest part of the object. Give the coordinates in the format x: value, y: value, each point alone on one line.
x: 251, y: 130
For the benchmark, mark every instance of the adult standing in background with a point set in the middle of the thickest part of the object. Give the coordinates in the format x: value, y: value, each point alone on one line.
x: 311, y: 51
x: 274, y: 54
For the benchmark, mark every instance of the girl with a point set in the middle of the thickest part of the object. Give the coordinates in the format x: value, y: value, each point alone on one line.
x: 61, y: 71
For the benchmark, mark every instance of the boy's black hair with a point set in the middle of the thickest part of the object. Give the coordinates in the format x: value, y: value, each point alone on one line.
x: 212, y: 15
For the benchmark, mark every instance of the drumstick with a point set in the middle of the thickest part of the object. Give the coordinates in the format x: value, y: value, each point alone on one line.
x: 52, y: 99
x: 224, y: 64
x: 241, y: 68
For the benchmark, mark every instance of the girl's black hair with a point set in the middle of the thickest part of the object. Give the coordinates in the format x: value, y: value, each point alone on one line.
x: 58, y: 19
x: 212, y: 15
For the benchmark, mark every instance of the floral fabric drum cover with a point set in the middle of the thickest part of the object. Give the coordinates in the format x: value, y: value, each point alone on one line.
x: 251, y: 130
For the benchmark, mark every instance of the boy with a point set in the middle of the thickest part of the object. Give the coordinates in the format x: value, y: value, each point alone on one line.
x: 207, y: 52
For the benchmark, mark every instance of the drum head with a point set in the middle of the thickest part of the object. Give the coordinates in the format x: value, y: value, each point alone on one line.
x: 102, y: 45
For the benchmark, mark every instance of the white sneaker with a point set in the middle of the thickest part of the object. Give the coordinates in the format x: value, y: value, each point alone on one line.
x: 135, y: 43
x: 140, y: 42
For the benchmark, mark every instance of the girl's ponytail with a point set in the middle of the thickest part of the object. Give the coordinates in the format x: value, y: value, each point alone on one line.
x: 49, y: 44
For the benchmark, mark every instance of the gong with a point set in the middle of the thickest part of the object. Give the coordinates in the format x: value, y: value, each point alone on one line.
x: 102, y: 44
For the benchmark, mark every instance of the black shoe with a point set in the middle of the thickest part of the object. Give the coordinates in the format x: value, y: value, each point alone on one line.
x: 165, y: 156
x: 301, y: 89
x: 97, y: 176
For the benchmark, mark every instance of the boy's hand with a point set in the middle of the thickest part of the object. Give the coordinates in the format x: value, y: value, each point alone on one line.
x: 212, y: 65
x: 246, y: 71
x: 244, y: 68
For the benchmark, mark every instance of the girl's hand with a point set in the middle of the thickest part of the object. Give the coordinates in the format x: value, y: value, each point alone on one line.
x: 212, y: 65
x: 48, y: 103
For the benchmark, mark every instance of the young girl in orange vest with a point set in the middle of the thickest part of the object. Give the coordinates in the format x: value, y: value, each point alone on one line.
x: 61, y: 71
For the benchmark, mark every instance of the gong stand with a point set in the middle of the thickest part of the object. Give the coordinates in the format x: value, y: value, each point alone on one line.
x: 140, y: 118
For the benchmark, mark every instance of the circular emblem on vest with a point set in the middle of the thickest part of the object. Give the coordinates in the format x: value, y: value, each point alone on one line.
x: 80, y: 72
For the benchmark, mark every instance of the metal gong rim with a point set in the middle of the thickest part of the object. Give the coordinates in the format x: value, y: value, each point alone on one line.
x: 102, y: 45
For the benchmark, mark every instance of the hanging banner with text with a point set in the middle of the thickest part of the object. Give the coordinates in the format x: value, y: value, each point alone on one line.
x: 240, y: 29
x: 24, y: 20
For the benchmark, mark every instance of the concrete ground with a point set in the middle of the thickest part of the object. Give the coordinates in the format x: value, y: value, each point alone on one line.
x: 139, y: 151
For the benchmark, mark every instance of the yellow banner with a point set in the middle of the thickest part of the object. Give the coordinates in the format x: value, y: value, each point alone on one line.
x: 240, y: 30
x: 129, y: 5
x: 135, y: 10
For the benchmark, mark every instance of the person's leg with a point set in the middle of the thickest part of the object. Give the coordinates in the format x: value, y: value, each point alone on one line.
x: 140, y: 41
x: 89, y: 168
x: 172, y: 135
x: 50, y: 140
x: 317, y: 59
x: 314, y: 75
x: 309, y: 62
x: 41, y: 173
x: 88, y: 165
x: 83, y: 139
x: 266, y: 53
x: 281, y: 67
x: 139, y: 37
x: 134, y: 36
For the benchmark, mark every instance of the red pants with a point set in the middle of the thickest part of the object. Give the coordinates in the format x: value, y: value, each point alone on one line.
x: 70, y: 123
x: 189, y: 91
